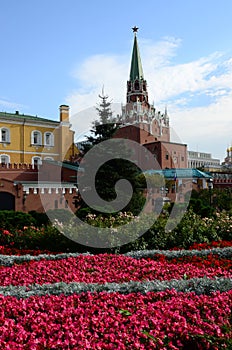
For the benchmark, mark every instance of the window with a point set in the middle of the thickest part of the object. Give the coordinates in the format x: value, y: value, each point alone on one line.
x: 167, y: 157
x: 48, y: 139
x: 36, y: 161
x: 36, y: 138
x: 136, y: 85
x: 4, y: 159
x: 4, y: 135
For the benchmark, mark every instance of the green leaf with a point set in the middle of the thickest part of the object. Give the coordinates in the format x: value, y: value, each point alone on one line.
x: 125, y: 312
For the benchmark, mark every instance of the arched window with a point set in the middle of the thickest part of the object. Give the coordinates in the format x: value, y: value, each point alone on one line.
x: 4, y: 135
x: 36, y: 138
x: 36, y: 161
x: 48, y: 139
x: 136, y: 85
x: 4, y: 159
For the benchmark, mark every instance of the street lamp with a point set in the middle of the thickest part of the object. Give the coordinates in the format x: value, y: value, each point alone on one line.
x: 210, y: 187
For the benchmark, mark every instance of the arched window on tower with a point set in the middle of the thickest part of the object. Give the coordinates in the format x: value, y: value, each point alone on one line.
x: 136, y: 85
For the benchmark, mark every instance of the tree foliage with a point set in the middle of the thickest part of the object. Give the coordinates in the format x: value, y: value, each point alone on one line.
x: 206, y: 203
x: 104, y: 127
x: 115, y: 169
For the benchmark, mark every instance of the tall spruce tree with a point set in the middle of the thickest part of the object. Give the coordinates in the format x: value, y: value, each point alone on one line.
x: 113, y: 170
x: 104, y: 127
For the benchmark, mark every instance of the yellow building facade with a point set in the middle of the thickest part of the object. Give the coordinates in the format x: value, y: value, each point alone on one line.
x: 30, y: 139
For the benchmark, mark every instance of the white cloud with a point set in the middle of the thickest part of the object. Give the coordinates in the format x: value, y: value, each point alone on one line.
x: 6, y: 105
x: 207, y: 128
x: 198, y: 93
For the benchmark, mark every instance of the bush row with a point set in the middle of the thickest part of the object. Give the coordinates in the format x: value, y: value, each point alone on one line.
x: 163, y: 233
x: 11, y: 220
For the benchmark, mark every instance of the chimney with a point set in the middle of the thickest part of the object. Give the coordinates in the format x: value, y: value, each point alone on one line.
x: 64, y: 113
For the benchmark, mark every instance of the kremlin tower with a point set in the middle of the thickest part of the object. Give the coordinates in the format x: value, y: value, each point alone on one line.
x: 142, y: 123
x: 138, y: 110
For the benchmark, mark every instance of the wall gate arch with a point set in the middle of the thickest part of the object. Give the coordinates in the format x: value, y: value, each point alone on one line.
x: 7, y: 201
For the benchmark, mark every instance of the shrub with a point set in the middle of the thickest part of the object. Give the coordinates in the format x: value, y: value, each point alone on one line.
x: 46, y: 238
x: 11, y: 220
x: 62, y: 215
x: 41, y: 219
x: 192, y: 229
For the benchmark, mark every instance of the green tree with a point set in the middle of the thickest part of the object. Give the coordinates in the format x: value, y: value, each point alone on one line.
x: 103, y: 128
x: 221, y: 199
x: 115, y: 169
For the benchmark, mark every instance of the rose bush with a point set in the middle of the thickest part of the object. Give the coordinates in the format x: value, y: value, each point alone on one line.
x: 191, y: 230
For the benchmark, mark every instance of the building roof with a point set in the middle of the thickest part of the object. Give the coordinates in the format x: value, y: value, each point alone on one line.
x: 64, y: 164
x: 21, y: 117
x: 136, y: 71
x: 181, y: 173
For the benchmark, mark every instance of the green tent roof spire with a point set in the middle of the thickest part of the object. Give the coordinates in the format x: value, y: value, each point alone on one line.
x: 136, y: 71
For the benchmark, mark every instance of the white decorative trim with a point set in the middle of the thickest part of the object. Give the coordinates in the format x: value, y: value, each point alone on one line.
x: 41, y: 124
x: 57, y: 187
x: 26, y: 152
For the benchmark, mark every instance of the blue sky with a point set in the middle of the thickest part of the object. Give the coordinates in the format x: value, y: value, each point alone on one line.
x: 55, y: 52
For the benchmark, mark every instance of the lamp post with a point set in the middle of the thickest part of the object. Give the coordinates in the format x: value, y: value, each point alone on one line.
x: 210, y: 187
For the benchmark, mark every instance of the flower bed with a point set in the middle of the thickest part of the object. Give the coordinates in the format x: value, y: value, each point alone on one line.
x: 214, y: 244
x: 11, y: 250
x: 211, y: 260
x: 104, y: 268
x: 166, y: 320
x: 5, y: 250
x: 163, y: 300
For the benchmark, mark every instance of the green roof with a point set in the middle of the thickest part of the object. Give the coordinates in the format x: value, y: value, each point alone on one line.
x: 65, y: 164
x: 136, y: 71
x: 181, y: 173
x: 21, y: 117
